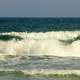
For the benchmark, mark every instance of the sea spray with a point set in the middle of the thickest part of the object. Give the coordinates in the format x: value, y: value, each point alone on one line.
x: 42, y: 44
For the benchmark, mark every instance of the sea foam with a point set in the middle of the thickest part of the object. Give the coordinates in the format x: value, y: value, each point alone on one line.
x: 48, y: 43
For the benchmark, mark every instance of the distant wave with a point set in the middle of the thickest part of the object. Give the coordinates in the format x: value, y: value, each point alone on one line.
x: 49, y: 43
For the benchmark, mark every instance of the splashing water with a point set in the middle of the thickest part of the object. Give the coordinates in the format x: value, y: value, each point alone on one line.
x: 42, y: 44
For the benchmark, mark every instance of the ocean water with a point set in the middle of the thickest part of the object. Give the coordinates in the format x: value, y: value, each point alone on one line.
x: 39, y: 48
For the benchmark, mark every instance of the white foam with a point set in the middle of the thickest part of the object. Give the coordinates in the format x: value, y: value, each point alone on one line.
x: 41, y: 44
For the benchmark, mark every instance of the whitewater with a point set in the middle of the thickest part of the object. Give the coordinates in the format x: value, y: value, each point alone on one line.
x: 55, y: 43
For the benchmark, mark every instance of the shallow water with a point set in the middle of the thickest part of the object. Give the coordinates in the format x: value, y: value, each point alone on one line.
x: 42, y: 65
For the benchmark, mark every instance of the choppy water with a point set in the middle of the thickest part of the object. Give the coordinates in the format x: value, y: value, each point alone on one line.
x: 43, y: 46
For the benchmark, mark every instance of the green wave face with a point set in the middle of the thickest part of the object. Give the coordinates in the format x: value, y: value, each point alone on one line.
x: 70, y: 41
x: 9, y: 37
x: 22, y: 75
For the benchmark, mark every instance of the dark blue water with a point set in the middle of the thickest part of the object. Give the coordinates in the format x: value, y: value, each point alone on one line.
x: 39, y: 24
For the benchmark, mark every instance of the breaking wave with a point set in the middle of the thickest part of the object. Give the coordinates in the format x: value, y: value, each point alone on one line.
x: 61, y: 43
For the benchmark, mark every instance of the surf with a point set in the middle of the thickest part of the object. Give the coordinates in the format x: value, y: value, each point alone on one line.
x: 55, y: 43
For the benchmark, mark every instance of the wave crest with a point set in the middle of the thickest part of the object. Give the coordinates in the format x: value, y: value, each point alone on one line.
x: 42, y: 44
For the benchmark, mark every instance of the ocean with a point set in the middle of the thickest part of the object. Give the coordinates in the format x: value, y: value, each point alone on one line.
x: 39, y: 48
